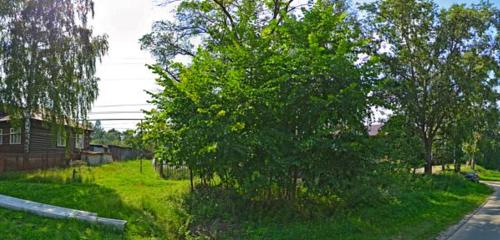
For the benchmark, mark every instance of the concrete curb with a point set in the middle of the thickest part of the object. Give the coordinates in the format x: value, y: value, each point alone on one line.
x: 453, y: 229
x: 50, y: 211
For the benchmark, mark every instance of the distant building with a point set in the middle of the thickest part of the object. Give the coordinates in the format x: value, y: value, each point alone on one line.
x: 117, y: 153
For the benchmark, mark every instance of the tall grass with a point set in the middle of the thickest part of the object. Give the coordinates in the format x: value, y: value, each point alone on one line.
x: 396, y: 206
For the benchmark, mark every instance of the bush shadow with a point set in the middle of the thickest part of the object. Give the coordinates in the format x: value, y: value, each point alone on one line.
x: 77, y: 192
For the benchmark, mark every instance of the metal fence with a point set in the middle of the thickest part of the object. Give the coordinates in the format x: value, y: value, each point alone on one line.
x: 172, y: 172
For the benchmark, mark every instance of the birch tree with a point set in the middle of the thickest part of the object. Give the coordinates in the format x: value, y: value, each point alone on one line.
x: 48, y: 56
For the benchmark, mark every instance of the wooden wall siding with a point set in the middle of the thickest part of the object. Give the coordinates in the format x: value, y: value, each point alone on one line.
x: 44, y: 152
x: 43, y: 140
x: 14, y: 161
x: 6, y: 147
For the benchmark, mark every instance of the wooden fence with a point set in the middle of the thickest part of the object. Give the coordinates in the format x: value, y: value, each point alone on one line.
x: 16, y: 161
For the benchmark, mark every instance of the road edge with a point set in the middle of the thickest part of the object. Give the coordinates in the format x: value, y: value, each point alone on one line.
x: 454, y: 228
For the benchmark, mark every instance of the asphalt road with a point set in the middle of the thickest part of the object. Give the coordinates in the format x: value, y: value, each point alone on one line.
x: 485, y: 223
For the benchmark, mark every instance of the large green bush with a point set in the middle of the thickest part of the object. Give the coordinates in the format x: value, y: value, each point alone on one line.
x: 269, y: 108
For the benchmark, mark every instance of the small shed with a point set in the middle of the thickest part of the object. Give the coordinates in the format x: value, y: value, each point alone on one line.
x: 118, y: 153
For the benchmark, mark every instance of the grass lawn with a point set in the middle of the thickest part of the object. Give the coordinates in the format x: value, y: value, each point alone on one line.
x: 155, y: 208
x: 484, y: 174
x: 421, y: 214
x: 118, y: 190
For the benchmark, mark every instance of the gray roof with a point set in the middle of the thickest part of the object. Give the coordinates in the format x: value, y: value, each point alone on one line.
x: 374, y: 128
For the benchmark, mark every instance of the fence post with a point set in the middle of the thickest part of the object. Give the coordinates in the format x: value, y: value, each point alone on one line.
x: 191, y: 179
x: 17, y: 161
x: 46, y: 163
x: 2, y: 165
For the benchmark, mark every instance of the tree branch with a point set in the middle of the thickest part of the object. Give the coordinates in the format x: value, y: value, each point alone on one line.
x: 220, y: 3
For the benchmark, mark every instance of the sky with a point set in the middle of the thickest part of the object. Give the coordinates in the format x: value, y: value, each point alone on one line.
x: 124, y: 76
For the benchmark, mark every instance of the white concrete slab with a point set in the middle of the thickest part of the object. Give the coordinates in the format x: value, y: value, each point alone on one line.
x: 50, y: 211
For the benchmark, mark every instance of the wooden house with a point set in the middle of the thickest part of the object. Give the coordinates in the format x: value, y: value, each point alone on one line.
x: 47, y: 147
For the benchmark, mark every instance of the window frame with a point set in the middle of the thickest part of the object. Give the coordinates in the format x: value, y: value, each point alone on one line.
x: 15, y: 134
x: 79, y: 141
x: 61, y: 140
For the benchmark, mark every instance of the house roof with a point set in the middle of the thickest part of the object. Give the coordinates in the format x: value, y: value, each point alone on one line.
x: 37, y: 116
x: 109, y: 146
x: 6, y: 118
x: 374, y: 128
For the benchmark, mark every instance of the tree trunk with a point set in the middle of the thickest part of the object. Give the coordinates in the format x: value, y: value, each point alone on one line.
x: 162, y: 175
x: 27, y: 137
x: 294, y: 186
x: 428, y: 157
x: 191, y: 179
x: 456, y: 163
x: 473, y: 163
x: 141, y: 165
x: 457, y: 167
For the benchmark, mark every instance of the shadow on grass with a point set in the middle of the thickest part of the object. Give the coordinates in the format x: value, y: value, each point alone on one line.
x: 220, y: 213
x: 417, y: 209
x: 82, y: 194
x: 20, y: 225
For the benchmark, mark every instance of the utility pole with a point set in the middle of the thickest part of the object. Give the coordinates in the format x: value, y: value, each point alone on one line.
x: 140, y: 134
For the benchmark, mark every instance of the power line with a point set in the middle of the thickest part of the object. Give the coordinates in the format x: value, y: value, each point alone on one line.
x: 123, y: 105
x: 117, y: 123
x: 120, y: 128
x: 115, y: 112
x: 104, y: 80
x: 125, y: 63
x: 115, y: 119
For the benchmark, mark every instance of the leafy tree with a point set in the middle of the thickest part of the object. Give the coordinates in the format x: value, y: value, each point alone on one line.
x: 439, y: 62
x: 98, y: 133
x: 135, y: 140
x: 48, y: 55
x: 114, y: 136
x: 398, y: 143
x: 272, y: 94
x: 471, y: 149
x: 490, y: 140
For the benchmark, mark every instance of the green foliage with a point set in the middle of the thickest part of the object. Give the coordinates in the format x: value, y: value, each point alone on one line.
x: 128, y: 138
x: 163, y: 209
x: 441, y: 65
x: 417, y: 208
x: 19, y: 225
x: 48, y: 56
x: 484, y: 174
x: 489, y: 149
x: 266, y: 102
x: 151, y: 205
x: 111, y: 137
x: 397, y: 142
x: 98, y: 133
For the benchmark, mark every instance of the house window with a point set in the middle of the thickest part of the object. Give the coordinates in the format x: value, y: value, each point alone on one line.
x: 15, y: 136
x: 1, y: 136
x: 61, y: 140
x: 79, y: 141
